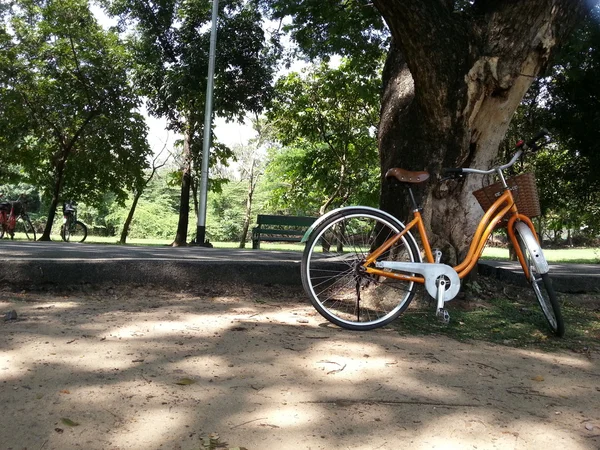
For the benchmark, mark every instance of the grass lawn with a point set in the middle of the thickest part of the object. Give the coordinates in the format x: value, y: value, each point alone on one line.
x: 563, y: 255
x: 487, y: 311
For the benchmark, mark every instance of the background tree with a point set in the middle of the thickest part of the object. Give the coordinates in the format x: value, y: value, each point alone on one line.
x: 156, y: 211
x: 251, y: 162
x: 138, y: 191
x: 326, y: 120
x: 75, y: 131
x: 171, y: 44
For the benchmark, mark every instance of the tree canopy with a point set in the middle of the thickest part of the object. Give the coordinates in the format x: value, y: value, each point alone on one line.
x: 565, y: 101
x: 170, y: 42
x: 326, y: 120
x: 73, y: 126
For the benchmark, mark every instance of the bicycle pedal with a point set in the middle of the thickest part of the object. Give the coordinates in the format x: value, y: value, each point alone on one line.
x: 443, y: 315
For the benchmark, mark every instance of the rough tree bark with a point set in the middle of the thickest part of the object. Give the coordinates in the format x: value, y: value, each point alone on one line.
x: 452, y: 81
x: 186, y: 183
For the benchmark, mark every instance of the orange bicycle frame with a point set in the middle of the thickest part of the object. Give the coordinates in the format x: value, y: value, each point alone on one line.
x: 503, y: 205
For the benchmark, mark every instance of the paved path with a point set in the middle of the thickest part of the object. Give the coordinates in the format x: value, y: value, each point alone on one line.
x: 569, y: 278
x: 55, y: 263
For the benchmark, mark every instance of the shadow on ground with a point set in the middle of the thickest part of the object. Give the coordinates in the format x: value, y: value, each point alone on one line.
x: 147, y: 368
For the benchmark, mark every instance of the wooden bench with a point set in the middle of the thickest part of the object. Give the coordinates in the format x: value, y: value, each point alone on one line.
x: 271, y: 228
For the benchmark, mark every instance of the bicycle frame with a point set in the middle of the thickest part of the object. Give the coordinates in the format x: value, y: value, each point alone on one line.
x: 8, y: 220
x: 504, y: 205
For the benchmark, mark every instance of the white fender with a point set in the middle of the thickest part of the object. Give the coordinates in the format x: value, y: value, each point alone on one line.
x: 539, y: 261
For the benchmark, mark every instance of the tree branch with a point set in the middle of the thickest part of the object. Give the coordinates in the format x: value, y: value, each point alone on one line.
x: 78, y: 73
x: 42, y: 118
x: 71, y: 143
x: 159, y: 33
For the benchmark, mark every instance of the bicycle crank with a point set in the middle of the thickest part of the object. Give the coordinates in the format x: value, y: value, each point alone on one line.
x: 433, y: 274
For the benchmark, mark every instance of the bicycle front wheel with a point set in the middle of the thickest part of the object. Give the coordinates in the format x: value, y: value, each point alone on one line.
x: 335, y: 280
x: 77, y: 232
x: 24, y: 228
x: 541, y: 283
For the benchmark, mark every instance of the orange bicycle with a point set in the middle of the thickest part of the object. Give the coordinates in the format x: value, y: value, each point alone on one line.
x: 370, y: 264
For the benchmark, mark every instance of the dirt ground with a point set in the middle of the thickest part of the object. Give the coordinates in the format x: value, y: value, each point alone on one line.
x: 140, y: 368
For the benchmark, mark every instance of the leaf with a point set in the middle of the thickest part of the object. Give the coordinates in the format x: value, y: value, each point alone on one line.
x: 538, y: 378
x: 185, y: 381
x: 68, y: 422
x: 65, y: 391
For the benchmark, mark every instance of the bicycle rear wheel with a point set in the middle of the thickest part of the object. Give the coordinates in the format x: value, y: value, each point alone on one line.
x: 77, y: 232
x: 24, y: 228
x: 333, y: 276
x: 540, y: 282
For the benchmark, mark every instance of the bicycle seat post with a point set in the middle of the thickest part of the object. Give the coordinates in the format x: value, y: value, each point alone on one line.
x: 413, y: 200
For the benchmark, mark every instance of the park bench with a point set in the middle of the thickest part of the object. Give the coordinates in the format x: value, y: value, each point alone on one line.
x: 272, y: 228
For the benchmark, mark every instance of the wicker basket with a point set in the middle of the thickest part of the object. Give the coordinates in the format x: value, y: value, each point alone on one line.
x: 524, y: 191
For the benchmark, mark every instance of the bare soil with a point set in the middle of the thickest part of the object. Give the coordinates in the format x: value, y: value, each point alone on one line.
x: 142, y: 368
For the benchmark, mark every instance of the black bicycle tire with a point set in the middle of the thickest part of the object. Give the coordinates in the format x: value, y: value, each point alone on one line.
x: 83, y: 227
x: 548, y: 304
x: 63, y: 232
x: 317, y: 233
x: 560, y: 323
x: 27, y: 225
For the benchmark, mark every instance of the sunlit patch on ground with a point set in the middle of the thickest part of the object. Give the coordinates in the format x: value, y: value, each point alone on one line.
x: 142, y: 369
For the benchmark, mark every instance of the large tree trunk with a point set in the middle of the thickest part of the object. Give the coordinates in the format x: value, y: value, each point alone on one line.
x: 129, y: 219
x: 248, y: 209
x: 186, y: 183
x: 59, y: 174
x: 452, y: 81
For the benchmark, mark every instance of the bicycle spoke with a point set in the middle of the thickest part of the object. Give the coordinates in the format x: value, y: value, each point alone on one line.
x: 339, y: 287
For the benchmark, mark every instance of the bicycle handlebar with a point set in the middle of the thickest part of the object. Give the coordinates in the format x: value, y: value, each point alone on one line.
x: 531, y: 144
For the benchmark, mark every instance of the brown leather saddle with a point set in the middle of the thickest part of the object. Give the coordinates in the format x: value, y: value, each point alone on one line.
x: 407, y: 176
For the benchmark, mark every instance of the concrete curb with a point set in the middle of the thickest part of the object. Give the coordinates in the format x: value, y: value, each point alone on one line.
x: 566, y: 278
x: 171, y: 274
x: 31, y: 265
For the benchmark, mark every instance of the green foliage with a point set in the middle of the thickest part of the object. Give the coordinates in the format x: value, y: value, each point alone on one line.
x: 151, y: 220
x: 566, y: 101
x: 225, y: 216
x: 156, y: 213
x: 170, y: 45
x: 326, y: 120
x: 68, y: 111
x: 322, y: 28
x: 12, y: 192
